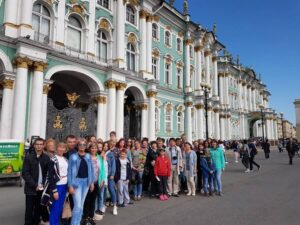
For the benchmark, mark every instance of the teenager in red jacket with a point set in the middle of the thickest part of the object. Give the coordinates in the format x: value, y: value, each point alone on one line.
x: 162, y: 170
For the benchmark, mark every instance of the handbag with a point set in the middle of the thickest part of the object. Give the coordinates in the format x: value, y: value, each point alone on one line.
x: 46, y: 199
x: 67, y: 211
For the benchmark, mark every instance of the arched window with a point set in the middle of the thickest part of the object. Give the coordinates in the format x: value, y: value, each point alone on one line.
x: 180, y: 122
x: 155, y: 67
x: 168, y: 73
x: 130, y: 56
x: 155, y: 31
x: 74, y: 34
x: 168, y: 118
x: 178, y: 44
x: 179, y: 78
x: 157, y: 119
x: 104, y: 3
x: 41, y: 22
x: 167, y: 38
x: 130, y: 14
x: 101, y: 46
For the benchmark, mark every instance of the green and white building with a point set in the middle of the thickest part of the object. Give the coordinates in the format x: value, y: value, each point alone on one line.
x: 135, y: 67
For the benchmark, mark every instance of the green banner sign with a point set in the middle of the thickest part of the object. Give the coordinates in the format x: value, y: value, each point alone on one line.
x: 11, y: 157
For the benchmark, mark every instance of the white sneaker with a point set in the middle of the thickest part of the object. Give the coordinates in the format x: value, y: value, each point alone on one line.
x: 236, y: 161
x: 247, y: 171
x: 189, y: 194
x: 115, y: 211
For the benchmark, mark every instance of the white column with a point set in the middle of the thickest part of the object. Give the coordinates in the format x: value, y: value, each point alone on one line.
x: 5, y: 125
x: 188, y: 121
x: 198, y: 68
x: 245, y: 97
x: 151, y: 116
x: 207, y: 65
x: 276, y: 129
x: 20, y: 99
x: 111, y: 108
x: 91, y: 35
x: 229, y: 128
x: 215, y: 75
x: 143, y: 45
x: 226, y: 99
x: 60, y: 26
x: 120, y: 110
x: 221, y: 85
x: 144, y: 109
x: 101, y: 120
x: 209, y: 118
x: 200, y: 116
x: 36, y: 100
x: 222, y: 127
x: 149, y: 45
x: 26, y: 18
x: 253, y: 99
x: 120, y: 53
x: 187, y: 65
x: 217, y: 124
x: 242, y: 119
x: 240, y: 95
x: 10, y: 17
x: 46, y: 89
x: 249, y: 98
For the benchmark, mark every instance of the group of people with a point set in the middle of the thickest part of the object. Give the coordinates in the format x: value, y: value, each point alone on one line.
x: 91, y: 174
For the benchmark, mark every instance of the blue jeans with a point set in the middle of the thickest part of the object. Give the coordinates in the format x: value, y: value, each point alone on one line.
x: 138, y: 188
x: 208, y: 181
x: 112, y: 190
x: 218, y: 181
x: 78, y: 197
x: 57, y: 205
x: 101, y: 198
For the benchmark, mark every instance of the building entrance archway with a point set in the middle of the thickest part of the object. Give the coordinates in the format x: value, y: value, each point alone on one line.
x: 70, y: 107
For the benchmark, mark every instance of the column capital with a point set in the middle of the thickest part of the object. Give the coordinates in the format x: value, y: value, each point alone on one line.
x: 214, y: 58
x: 198, y: 48
x: 46, y: 89
x: 110, y: 84
x: 22, y: 62
x: 40, y: 66
x: 7, y: 83
x: 199, y: 106
x: 132, y: 2
x: 216, y: 110
x: 143, y: 14
x: 188, y: 104
x: 189, y: 41
x: 151, y: 94
x: 100, y: 99
x: 142, y: 106
x: 207, y: 53
x: 121, y: 86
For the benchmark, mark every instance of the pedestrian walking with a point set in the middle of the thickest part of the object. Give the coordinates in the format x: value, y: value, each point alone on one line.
x: 266, y: 148
x: 245, y: 154
x: 253, y: 153
x: 291, y: 148
x: 34, y: 173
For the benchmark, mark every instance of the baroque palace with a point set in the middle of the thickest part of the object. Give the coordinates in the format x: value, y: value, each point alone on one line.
x: 140, y: 68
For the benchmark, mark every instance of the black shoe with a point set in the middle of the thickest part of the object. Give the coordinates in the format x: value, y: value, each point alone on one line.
x: 130, y: 203
x: 176, y: 195
x: 121, y: 205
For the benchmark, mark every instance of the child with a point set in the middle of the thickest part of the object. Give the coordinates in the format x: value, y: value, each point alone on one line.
x: 122, y: 177
x: 208, y: 171
x: 162, y: 170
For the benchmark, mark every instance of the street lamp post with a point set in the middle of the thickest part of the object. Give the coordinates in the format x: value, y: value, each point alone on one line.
x: 283, y: 134
x: 206, y: 88
x: 262, y: 123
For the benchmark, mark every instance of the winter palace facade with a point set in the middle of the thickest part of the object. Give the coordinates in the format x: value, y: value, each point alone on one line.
x: 139, y: 68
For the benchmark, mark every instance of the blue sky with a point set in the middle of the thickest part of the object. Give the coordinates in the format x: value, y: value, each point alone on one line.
x: 266, y: 35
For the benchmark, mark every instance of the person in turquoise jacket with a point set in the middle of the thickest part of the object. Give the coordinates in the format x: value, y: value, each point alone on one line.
x: 218, y: 160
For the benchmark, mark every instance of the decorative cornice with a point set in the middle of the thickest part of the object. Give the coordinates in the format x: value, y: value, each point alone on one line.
x: 46, y: 89
x: 156, y: 18
x: 180, y: 34
x: 22, y: 62
x: 7, y: 83
x: 151, y: 94
x: 155, y: 53
x: 169, y: 28
x: 40, y: 66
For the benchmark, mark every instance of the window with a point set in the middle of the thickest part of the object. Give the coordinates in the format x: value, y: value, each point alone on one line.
x: 130, y: 14
x: 178, y: 44
x: 130, y: 56
x: 168, y: 73
x: 154, y: 31
x: 180, y: 119
x: 155, y: 68
x: 168, y: 119
x: 156, y: 119
x: 191, y: 52
x: 74, y: 34
x: 167, y: 38
x: 41, y: 21
x: 104, y: 3
x: 192, y: 77
x: 179, y: 82
x: 101, y: 46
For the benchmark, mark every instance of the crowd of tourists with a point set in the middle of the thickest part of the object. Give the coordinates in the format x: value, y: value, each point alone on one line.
x: 80, y: 180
